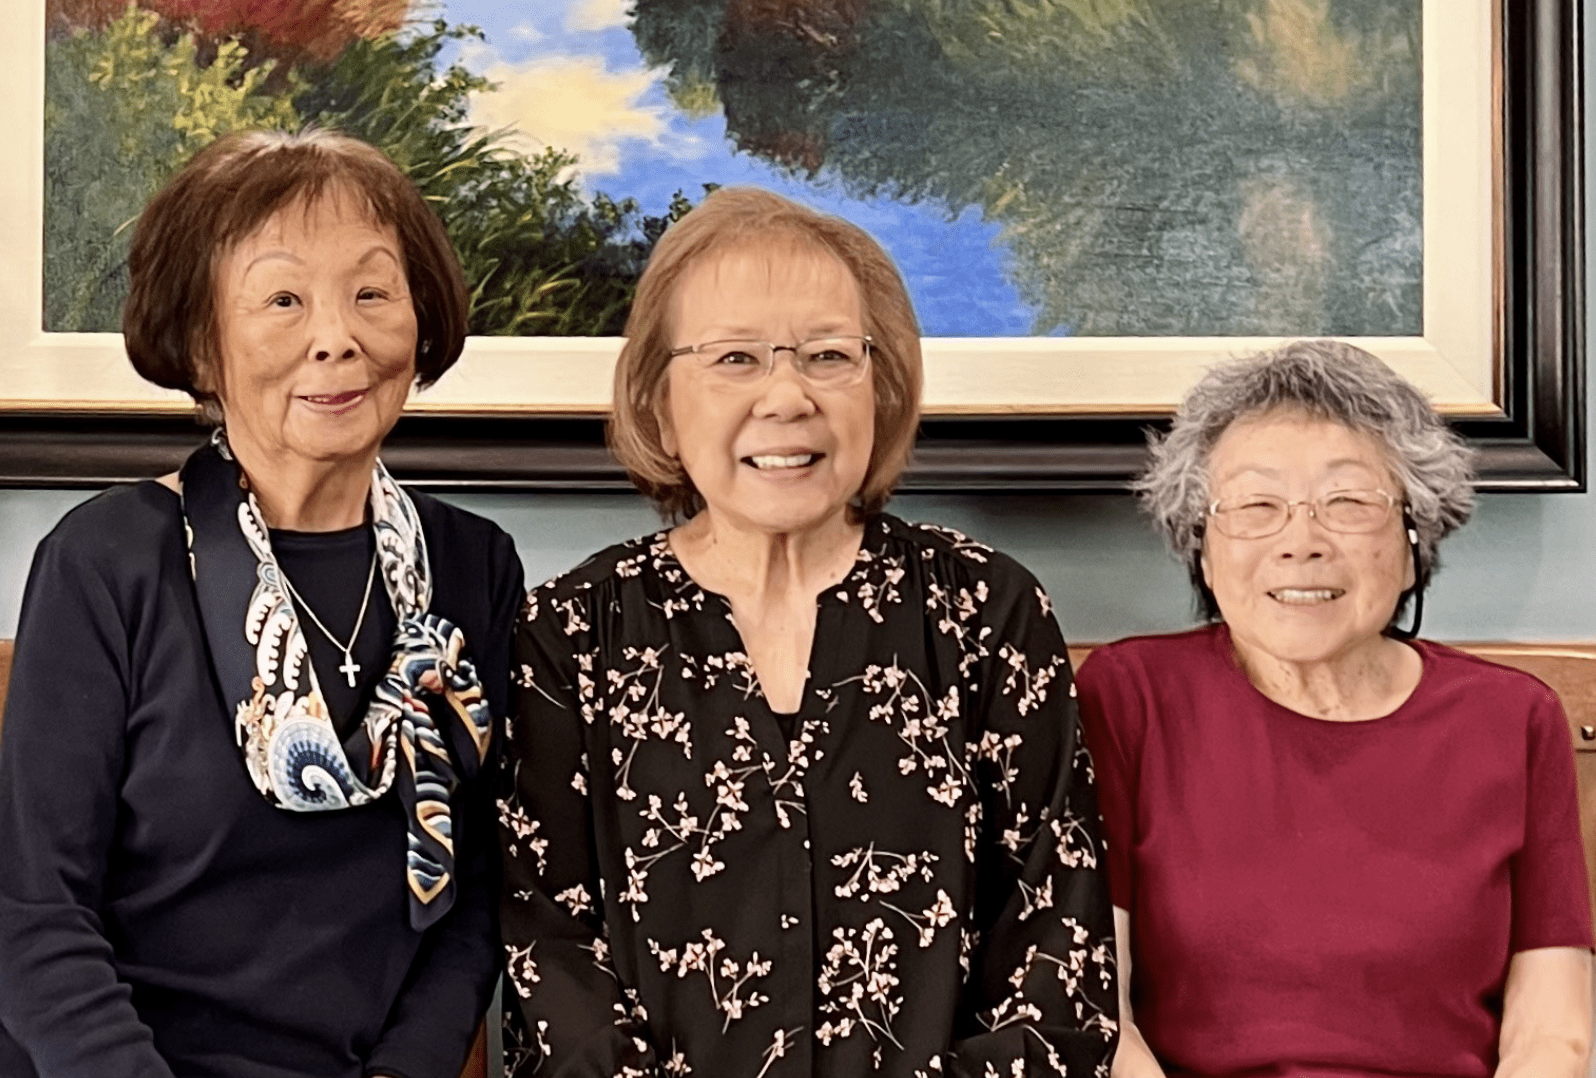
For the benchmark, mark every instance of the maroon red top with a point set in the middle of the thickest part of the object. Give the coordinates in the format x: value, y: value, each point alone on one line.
x: 1321, y: 898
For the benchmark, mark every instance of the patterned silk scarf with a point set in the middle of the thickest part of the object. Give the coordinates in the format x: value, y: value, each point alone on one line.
x: 291, y: 750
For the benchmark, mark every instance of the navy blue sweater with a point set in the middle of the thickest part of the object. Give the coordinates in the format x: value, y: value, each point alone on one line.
x: 157, y: 917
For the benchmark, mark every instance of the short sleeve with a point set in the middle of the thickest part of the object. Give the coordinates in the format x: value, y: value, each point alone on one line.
x: 1551, y: 892
x: 1112, y: 716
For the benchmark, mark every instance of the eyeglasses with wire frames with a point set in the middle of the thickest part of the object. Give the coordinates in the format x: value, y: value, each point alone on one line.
x: 834, y: 362
x: 1258, y: 516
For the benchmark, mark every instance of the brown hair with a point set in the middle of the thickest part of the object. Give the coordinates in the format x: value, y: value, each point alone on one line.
x: 734, y: 217
x: 226, y: 192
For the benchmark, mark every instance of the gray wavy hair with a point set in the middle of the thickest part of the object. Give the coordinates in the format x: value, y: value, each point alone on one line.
x: 1327, y: 380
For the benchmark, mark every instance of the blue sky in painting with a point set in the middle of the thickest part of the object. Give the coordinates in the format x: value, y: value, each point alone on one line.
x: 572, y: 77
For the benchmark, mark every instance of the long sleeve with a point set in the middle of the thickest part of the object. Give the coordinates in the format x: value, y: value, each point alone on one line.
x: 451, y: 981
x: 565, y: 1012
x: 1042, y: 986
x: 60, y: 767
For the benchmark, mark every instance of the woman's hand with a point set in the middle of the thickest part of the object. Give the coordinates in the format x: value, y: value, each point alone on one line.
x: 1133, y: 1059
x: 1546, y: 1014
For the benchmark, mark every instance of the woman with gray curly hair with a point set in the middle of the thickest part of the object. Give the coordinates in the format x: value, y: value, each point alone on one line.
x: 1344, y: 851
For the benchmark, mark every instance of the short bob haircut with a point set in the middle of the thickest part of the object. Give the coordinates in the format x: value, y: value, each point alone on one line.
x: 227, y: 192
x: 748, y: 218
x: 1327, y: 380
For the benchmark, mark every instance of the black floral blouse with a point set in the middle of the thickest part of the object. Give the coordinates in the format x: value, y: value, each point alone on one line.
x: 910, y: 885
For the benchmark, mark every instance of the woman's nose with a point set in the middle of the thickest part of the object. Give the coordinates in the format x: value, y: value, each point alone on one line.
x: 332, y: 333
x: 1304, y: 534
x: 784, y: 393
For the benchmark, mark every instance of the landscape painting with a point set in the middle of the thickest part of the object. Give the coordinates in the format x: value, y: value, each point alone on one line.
x: 1038, y: 168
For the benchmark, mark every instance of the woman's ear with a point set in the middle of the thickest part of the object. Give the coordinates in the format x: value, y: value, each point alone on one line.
x: 204, y: 377
x: 662, y: 416
x: 1410, y: 537
x: 205, y: 364
x: 667, y: 436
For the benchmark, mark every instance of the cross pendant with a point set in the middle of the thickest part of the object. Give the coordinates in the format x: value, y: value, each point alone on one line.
x: 349, y: 668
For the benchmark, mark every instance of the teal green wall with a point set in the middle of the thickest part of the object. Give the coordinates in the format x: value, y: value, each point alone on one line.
x: 1524, y: 569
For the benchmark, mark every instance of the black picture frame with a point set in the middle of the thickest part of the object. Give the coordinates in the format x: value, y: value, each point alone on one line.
x: 1537, y: 444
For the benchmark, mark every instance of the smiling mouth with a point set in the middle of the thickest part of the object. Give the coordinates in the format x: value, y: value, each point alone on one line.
x: 1305, y: 596
x: 770, y: 462
x: 334, y: 400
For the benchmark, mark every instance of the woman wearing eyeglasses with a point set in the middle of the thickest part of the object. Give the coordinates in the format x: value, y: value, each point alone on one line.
x: 1334, y: 849
x: 794, y: 787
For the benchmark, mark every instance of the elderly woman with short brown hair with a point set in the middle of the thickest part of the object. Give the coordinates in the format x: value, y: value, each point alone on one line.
x: 794, y: 787
x: 1335, y: 849
x: 245, y: 814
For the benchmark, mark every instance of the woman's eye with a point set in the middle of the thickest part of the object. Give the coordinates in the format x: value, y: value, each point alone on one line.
x: 831, y: 355
x: 283, y: 299
x: 737, y: 359
x: 369, y: 293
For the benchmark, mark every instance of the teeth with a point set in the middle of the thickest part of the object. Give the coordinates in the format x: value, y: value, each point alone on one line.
x: 1305, y: 596
x: 798, y: 460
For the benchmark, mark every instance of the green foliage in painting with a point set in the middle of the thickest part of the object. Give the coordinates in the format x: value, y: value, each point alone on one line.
x: 538, y: 256
x: 1156, y: 167
x: 124, y: 107
x: 130, y: 99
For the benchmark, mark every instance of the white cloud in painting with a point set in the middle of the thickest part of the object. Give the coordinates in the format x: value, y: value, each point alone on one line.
x: 591, y: 15
x: 576, y: 103
x: 526, y: 33
x: 476, y: 54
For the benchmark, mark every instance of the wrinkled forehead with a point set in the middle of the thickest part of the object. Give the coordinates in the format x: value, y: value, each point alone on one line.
x: 1276, y: 441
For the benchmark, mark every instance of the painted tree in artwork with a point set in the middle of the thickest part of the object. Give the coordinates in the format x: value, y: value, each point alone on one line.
x: 123, y: 109
x: 1156, y: 166
x: 277, y: 30
x: 133, y: 91
x: 318, y: 30
x: 539, y: 256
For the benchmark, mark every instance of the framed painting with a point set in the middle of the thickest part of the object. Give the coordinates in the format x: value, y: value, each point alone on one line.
x: 1090, y: 203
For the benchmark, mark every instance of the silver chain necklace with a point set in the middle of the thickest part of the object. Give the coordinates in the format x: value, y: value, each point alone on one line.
x: 349, y: 668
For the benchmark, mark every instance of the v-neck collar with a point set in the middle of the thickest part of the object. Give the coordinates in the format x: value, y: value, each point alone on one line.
x: 823, y: 646
x: 872, y: 544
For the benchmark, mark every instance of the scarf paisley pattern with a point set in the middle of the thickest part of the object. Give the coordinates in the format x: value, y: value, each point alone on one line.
x: 291, y: 750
